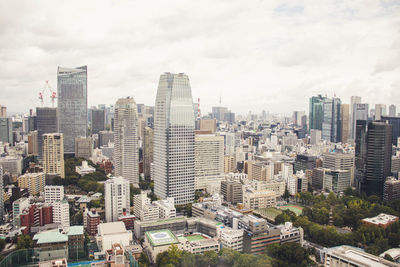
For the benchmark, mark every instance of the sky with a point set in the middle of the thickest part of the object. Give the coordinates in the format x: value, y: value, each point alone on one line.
x: 251, y: 55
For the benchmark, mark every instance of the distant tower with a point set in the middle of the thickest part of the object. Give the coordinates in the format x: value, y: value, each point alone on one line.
x: 72, y: 105
x: 174, y: 125
x: 126, y: 153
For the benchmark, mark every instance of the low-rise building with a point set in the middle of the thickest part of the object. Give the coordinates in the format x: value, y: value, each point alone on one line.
x: 289, y: 233
x: 158, y: 241
x: 231, y: 238
x: 84, y: 169
x: 197, y: 243
x: 381, y: 220
x: 176, y: 225
x: 110, y: 233
x: 258, y: 199
x: 351, y: 256
x: 50, y: 245
x: 232, y: 191
x: 391, y: 189
x: 93, y: 220
x: 166, y: 208
x: 128, y: 220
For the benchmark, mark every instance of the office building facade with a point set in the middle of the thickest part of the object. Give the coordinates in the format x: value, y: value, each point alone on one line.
x: 72, y: 105
x: 331, y: 125
x: 53, y: 154
x: 46, y: 122
x: 98, y: 120
x: 174, y: 139
x: 316, y: 115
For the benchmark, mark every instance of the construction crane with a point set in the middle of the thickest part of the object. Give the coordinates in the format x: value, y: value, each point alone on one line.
x: 49, y: 89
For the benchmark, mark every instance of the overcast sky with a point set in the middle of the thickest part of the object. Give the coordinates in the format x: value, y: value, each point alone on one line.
x: 256, y: 55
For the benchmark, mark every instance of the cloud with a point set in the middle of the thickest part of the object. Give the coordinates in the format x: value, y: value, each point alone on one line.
x: 254, y: 54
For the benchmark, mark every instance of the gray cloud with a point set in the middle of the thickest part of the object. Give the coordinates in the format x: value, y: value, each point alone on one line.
x: 255, y: 54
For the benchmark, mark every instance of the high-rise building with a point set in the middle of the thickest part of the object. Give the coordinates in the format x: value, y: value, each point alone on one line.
x: 209, y: 160
x: 380, y: 110
x: 126, y: 152
x: 72, y: 105
x: 315, y: 136
x: 232, y: 191
x: 353, y: 100
x: 83, y: 147
x: 174, y: 124
x: 46, y: 122
x: 33, y: 147
x: 6, y: 130
x: 1, y: 196
x: 98, y: 121
x: 208, y: 125
x: 332, y: 120
x: 3, y: 111
x: 345, y: 123
x: 392, y: 111
x: 93, y: 220
x: 53, y: 154
x: 148, y: 151
x: 395, y: 122
x: 340, y: 161
x: 360, y: 153
x: 12, y: 165
x: 391, y: 189
x: 34, y: 182
x: 116, y: 198
x: 219, y: 113
x: 61, y: 213
x: 360, y: 112
x: 105, y: 137
x: 378, y: 158
x: 316, y: 116
x: 18, y: 206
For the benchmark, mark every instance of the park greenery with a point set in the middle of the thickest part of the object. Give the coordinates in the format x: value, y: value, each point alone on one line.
x: 290, y: 254
x: 323, y: 216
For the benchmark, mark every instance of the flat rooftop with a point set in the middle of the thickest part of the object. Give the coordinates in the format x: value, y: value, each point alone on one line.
x: 381, y: 219
x: 161, y: 238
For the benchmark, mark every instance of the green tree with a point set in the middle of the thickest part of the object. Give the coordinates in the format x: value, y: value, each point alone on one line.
x: 24, y: 241
x: 144, y: 260
x: 2, y: 244
x: 286, y: 195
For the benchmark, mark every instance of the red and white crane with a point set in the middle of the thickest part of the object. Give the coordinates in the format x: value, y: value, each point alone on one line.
x: 49, y: 89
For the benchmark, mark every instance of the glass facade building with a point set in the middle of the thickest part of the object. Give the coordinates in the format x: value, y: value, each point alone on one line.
x: 72, y: 105
x: 46, y: 122
x: 174, y: 139
x: 331, y: 125
x: 316, y: 114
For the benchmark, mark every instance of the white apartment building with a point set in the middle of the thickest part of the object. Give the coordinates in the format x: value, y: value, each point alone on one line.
x: 139, y: 201
x: 61, y: 213
x: 209, y: 159
x: 231, y: 238
x: 166, y: 208
x: 18, y: 206
x: 149, y: 212
x: 53, y: 193
x: 126, y: 151
x: 116, y: 198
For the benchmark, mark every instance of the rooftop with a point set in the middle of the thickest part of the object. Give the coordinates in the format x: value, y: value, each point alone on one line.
x: 75, y: 230
x: 161, y: 238
x: 50, y: 237
x: 166, y: 221
x: 381, y: 219
x: 111, y: 228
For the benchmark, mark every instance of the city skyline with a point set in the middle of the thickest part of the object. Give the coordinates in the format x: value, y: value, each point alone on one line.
x: 254, y: 50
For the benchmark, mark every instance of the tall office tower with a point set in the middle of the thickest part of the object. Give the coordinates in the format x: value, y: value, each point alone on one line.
x: 116, y: 198
x: 47, y: 122
x: 395, y: 122
x: 297, y: 116
x: 105, y: 137
x: 83, y: 147
x: 174, y: 125
x: 53, y: 154
x: 353, y: 100
x: 229, y: 117
x: 126, y: 152
x: 392, y: 111
x: 3, y: 111
x: 380, y: 110
x: 6, y: 131
x: 33, y: 147
x: 345, y: 123
x: 360, y: 112
x: 98, y: 121
x: 209, y: 160
x: 72, y: 105
x: 378, y: 157
x: 360, y: 153
x: 1, y: 196
x: 316, y: 116
x: 332, y: 120
x: 148, y: 151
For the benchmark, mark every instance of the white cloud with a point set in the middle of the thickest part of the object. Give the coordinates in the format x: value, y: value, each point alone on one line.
x: 255, y: 54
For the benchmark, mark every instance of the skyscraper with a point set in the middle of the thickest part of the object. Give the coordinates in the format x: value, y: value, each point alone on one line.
x: 331, y: 125
x: 360, y: 112
x: 353, y: 100
x: 378, y: 157
x: 380, y: 110
x: 392, y: 111
x: 6, y: 131
x: 345, y: 123
x: 126, y: 153
x: 98, y: 120
x: 53, y: 154
x: 395, y: 122
x: 148, y: 151
x: 1, y: 196
x: 174, y: 125
x: 72, y: 105
x: 46, y: 121
x: 116, y: 198
x: 360, y: 153
x: 316, y: 112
